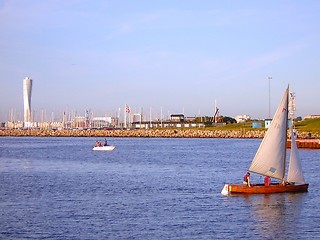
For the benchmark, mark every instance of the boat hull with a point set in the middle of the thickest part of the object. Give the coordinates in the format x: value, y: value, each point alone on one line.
x: 104, y: 148
x: 261, y: 189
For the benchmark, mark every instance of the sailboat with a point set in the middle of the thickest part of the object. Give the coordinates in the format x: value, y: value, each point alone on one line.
x: 270, y: 159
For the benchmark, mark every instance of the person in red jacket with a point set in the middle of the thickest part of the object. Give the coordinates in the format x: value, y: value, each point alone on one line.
x: 98, y: 144
x: 267, y: 181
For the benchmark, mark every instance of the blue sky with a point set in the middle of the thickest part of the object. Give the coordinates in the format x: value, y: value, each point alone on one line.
x: 178, y: 56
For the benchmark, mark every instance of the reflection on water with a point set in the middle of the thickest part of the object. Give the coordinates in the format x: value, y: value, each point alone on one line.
x: 275, y: 215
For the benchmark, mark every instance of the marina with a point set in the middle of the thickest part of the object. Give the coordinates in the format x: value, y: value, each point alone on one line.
x: 159, y: 120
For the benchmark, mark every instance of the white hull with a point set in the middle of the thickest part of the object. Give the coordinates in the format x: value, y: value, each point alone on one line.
x: 104, y: 148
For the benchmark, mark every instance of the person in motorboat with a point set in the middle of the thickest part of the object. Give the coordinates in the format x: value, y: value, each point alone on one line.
x: 105, y: 142
x: 98, y: 144
x: 246, y: 179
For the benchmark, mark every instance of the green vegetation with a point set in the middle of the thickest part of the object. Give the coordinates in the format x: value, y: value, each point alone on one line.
x: 239, y: 126
x: 309, y: 125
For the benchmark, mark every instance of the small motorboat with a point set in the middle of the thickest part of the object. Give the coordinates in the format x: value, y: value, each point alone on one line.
x: 104, y: 148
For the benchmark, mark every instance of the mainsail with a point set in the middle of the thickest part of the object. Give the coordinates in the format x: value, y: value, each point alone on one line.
x: 270, y: 157
x: 295, y: 169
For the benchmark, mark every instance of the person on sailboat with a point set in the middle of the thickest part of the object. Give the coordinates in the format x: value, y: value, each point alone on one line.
x: 267, y: 181
x: 105, y: 142
x: 246, y: 179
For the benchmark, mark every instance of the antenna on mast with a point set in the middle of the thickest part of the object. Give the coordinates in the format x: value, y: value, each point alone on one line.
x: 292, y: 107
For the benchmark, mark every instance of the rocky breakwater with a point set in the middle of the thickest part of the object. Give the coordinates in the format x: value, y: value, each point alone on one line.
x: 147, y: 133
x: 152, y: 133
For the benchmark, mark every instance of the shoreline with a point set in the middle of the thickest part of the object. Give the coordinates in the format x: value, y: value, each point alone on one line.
x: 146, y: 133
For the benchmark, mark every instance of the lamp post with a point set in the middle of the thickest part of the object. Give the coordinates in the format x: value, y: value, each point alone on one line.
x: 269, y: 78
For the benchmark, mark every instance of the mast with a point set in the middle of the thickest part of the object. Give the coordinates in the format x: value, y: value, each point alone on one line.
x: 286, y: 130
x: 125, y: 116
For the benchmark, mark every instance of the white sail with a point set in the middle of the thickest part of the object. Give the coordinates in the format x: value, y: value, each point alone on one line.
x: 295, y: 169
x: 270, y: 157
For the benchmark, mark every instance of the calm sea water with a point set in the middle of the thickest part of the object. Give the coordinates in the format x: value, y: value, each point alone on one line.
x: 58, y: 188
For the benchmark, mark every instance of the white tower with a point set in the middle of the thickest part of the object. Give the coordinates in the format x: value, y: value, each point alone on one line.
x: 27, y: 88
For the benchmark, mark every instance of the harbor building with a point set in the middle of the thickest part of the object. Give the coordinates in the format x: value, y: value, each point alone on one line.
x: 175, y: 121
x: 27, y: 89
